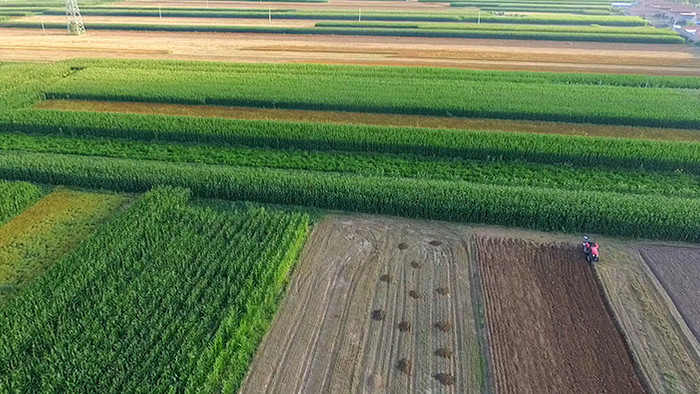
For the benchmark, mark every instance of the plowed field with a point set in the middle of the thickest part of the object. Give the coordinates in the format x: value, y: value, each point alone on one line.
x: 376, y: 305
x: 548, y: 326
x: 678, y: 270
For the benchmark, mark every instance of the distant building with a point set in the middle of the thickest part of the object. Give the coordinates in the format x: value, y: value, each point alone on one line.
x: 690, y: 32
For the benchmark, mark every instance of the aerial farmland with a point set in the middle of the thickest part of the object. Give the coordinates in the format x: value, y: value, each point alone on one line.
x: 349, y: 196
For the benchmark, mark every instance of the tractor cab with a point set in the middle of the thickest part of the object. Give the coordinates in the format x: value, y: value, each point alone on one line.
x: 590, y: 249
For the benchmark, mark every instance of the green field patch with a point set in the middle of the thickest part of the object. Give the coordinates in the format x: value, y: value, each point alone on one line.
x: 381, y: 32
x: 187, y: 291
x: 637, y: 30
x: 578, y: 151
x: 21, y: 84
x: 15, y: 197
x: 44, y: 233
x: 500, y: 95
x: 372, y: 164
x: 453, y: 15
x: 628, y: 215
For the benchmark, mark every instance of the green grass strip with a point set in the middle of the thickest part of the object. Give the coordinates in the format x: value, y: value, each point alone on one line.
x: 504, y: 27
x: 436, y: 33
x: 499, y: 95
x: 579, y: 151
x: 371, y: 164
x: 15, y: 197
x: 608, y: 213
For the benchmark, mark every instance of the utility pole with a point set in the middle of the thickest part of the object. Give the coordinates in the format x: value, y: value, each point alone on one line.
x: 75, y: 20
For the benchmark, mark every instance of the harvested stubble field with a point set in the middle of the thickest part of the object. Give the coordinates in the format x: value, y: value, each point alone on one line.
x: 376, y: 305
x: 649, y: 59
x: 678, y: 270
x: 550, y: 331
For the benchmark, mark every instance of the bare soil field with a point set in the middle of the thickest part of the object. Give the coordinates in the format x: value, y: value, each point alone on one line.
x: 663, y: 346
x: 678, y: 270
x: 375, y: 305
x: 548, y: 326
x: 32, y: 44
x: 374, y: 119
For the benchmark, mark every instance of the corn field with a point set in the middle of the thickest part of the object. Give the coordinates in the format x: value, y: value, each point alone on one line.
x: 15, y: 197
x: 544, y: 209
x: 158, y: 308
x: 361, y: 91
x: 476, y: 145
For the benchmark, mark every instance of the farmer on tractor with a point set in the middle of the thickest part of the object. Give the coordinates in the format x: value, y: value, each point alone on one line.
x: 590, y: 249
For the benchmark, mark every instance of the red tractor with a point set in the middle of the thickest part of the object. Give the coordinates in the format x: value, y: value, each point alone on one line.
x: 590, y: 249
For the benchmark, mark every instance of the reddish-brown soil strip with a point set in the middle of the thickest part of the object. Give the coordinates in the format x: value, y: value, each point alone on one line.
x: 678, y: 271
x: 373, y: 119
x: 548, y: 326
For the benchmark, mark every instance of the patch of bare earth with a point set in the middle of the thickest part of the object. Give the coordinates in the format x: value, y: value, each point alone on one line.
x: 666, y: 351
x: 327, y: 337
x: 548, y: 326
x: 374, y: 119
x: 678, y: 270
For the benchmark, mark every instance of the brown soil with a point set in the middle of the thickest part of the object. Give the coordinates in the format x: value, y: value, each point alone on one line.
x: 547, y: 322
x: 414, y: 294
x: 405, y: 366
x: 374, y: 119
x: 663, y: 345
x: 442, y: 352
x: 678, y: 270
x: 404, y: 326
x: 32, y: 44
x: 378, y: 314
x: 443, y: 326
x: 445, y: 378
x: 322, y: 341
x: 442, y: 290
